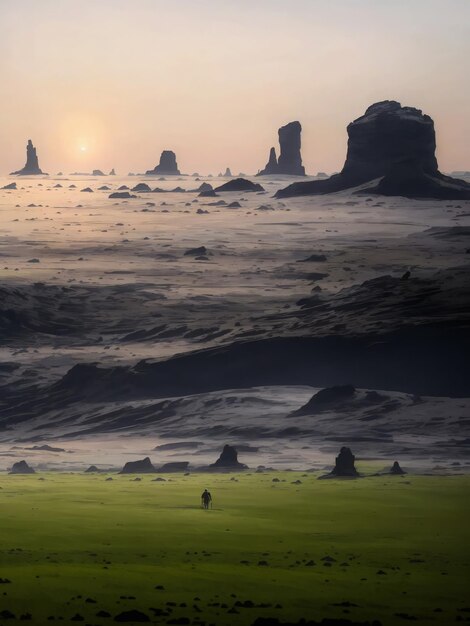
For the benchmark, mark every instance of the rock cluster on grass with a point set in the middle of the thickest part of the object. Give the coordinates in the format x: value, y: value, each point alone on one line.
x: 396, y: 145
x: 21, y: 467
x: 142, y: 466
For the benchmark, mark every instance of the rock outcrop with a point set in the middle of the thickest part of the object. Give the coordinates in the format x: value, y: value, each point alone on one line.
x: 290, y: 160
x: 271, y: 165
x: 92, y: 470
x: 98, y: 173
x: 228, y: 460
x: 396, y: 469
x: 344, y: 463
x: 326, y: 399
x: 173, y: 467
x: 167, y: 165
x: 112, y: 172
x: 239, y: 184
x: 10, y: 186
x: 228, y: 173
x: 396, y: 145
x: 31, y: 167
x: 21, y: 467
x: 143, y: 466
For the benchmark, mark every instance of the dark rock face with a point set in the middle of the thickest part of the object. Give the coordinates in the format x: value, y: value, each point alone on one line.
x: 344, y: 465
x: 290, y: 161
x: 31, y: 167
x: 396, y: 469
x: 21, y: 467
x: 271, y: 165
x: 143, y: 466
x: 92, y: 469
x: 396, y: 144
x: 141, y: 187
x: 10, y: 186
x: 173, y: 466
x: 228, y: 459
x: 240, y: 184
x: 167, y: 165
x: 121, y: 194
x: 326, y: 398
x: 112, y: 172
x: 228, y: 172
x: 97, y: 173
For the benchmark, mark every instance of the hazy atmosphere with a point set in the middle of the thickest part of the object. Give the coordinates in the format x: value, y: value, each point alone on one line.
x: 113, y: 83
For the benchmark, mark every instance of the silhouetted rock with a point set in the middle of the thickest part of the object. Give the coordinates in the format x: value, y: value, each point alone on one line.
x: 98, y: 173
x: 205, y: 187
x: 228, y: 459
x: 10, y: 186
x: 239, y: 184
x: 174, y: 466
x: 132, y: 616
x: 271, y: 165
x: 121, y: 194
x: 290, y: 161
x: 21, y: 467
x: 92, y: 469
x: 87, y: 190
x: 344, y: 465
x: 167, y: 165
x: 396, y: 469
x: 228, y: 172
x: 208, y: 193
x: 325, y: 398
x: 31, y: 167
x: 141, y: 187
x: 395, y: 144
x: 112, y: 172
x: 201, y: 250
x: 143, y: 466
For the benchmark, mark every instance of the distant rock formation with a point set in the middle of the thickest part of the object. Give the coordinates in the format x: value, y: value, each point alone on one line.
x: 21, y: 467
x: 228, y: 459
x: 228, y: 172
x: 173, y: 467
x: 121, y: 194
x: 290, y: 160
x: 395, y: 144
x: 92, y: 470
x: 112, y: 172
x: 325, y: 399
x: 396, y: 469
x: 141, y: 187
x: 98, y: 173
x: 344, y: 465
x: 143, y: 466
x: 240, y: 184
x: 10, y: 186
x: 31, y: 167
x: 271, y: 165
x: 167, y: 165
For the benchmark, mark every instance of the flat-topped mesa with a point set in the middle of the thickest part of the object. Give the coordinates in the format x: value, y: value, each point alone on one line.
x: 167, y: 166
x: 290, y: 160
x: 31, y: 167
x: 396, y: 145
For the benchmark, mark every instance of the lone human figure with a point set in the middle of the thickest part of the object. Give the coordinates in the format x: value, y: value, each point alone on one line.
x: 206, y: 499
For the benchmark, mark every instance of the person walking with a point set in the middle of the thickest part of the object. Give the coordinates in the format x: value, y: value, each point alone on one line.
x: 206, y: 499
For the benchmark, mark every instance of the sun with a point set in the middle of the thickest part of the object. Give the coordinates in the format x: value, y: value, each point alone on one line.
x: 83, y: 148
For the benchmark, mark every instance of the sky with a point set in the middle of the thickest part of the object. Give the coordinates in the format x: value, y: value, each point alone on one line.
x: 98, y: 84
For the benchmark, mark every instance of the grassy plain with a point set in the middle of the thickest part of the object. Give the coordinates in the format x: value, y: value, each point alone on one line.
x: 395, y: 548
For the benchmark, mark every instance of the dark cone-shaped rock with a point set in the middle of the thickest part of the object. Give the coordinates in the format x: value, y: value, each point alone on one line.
x: 271, y: 165
x: 396, y: 469
x: 92, y: 470
x: 394, y: 142
x: 167, y: 165
x: 344, y: 465
x: 31, y: 167
x: 21, y: 467
x: 143, y: 466
x: 228, y: 459
x: 239, y: 184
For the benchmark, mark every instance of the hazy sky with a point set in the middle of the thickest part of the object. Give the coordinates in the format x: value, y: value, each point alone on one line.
x: 111, y: 83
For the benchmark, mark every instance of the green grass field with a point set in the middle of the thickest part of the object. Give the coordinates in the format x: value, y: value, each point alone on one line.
x: 78, y: 544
